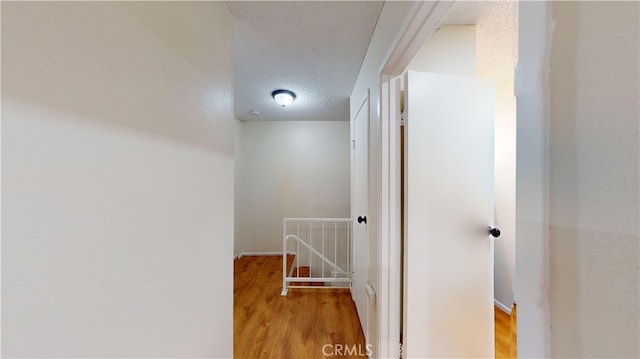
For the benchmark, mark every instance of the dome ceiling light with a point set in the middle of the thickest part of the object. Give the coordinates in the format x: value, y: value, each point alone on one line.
x: 284, y: 98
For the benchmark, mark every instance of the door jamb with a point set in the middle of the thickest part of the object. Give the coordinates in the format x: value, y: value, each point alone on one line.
x: 366, y: 101
x: 416, y: 29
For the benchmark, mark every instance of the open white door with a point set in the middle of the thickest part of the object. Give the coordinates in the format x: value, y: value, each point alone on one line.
x: 448, y: 286
x: 359, y: 212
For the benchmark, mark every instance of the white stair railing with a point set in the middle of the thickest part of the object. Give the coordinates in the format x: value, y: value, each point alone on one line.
x: 321, y: 245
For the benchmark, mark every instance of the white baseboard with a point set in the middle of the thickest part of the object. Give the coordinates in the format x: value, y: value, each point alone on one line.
x: 236, y: 256
x: 242, y: 254
x: 502, y: 307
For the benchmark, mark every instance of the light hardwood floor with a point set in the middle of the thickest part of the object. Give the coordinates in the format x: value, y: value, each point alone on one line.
x: 506, y: 339
x: 267, y: 325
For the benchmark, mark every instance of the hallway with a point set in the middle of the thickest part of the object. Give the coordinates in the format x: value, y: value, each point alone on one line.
x: 300, y: 325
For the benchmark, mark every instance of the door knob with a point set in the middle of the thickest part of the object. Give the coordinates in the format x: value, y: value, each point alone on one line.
x: 362, y: 219
x: 494, y: 232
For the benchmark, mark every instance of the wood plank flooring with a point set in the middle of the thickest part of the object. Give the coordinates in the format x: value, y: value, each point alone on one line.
x: 267, y: 325
x: 506, y: 339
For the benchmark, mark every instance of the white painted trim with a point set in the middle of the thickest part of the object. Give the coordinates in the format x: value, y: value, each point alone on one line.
x: 395, y: 225
x: 256, y: 254
x: 237, y: 255
x: 535, y: 28
x: 389, y: 318
x: 384, y: 239
x: 502, y: 307
x: 366, y: 101
x: 422, y: 20
x: 425, y: 17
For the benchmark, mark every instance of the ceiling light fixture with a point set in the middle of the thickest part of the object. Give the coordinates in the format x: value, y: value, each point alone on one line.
x: 283, y: 97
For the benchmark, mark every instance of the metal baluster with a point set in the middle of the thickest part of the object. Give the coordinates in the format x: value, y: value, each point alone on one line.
x: 310, y: 246
x: 297, y: 249
x: 323, y: 256
x: 348, y: 249
x: 284, y: 256
x: 335, y: 247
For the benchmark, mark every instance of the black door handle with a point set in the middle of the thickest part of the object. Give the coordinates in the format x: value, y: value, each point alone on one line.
x: 494, y: 232
x: 362, y: 219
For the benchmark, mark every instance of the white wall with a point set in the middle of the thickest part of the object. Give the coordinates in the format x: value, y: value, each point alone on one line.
x: 594, y: 179
x: 450, y: 49
x: 288, y: 169
x: 391, y: 18
x: 117, y: 196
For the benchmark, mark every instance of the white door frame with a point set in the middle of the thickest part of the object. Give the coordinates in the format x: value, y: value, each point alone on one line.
x: 532, y: 94
x: 366, y: 101
x: 389, y: 261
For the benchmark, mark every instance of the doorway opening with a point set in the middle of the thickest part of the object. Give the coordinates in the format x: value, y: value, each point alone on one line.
x: 478, y: 40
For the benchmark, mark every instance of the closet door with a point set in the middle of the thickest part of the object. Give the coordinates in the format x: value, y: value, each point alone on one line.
x: 448, y: 288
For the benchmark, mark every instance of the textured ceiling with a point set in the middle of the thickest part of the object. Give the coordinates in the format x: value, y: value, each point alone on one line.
x: 496, y: 34
x: 313, y: 48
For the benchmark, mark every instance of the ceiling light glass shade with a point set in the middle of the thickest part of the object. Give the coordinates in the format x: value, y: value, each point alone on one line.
x: 283, y: 97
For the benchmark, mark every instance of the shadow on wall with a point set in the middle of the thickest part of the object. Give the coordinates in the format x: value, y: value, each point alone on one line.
x: 564, y: 239
x: 120, y: 75
x: 117, y: 181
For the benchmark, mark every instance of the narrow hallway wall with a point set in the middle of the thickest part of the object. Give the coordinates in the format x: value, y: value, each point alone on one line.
x: 117, y: 180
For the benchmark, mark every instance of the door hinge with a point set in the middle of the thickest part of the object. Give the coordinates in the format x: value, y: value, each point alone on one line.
x: 402, y: 119
x: 353, y: 142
